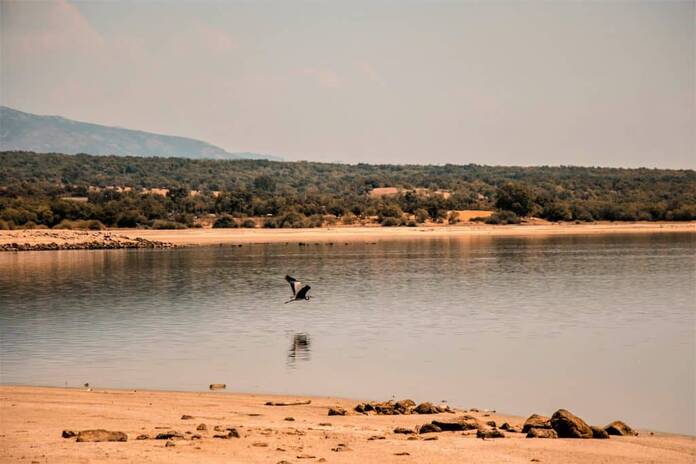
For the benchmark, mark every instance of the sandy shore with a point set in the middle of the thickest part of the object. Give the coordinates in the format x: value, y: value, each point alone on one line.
x: 33, y: 418
x: 58, y: 239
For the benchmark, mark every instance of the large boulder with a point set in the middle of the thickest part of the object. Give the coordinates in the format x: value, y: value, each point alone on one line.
x: 100, y: 435
x: 426, y: 408
x: 536, y: 421
x: 459, y: 423
x: 536, y: 432
x: 337, y: 411
x: 619, y: 428
x: 568, y: 425
x: 599, y: 432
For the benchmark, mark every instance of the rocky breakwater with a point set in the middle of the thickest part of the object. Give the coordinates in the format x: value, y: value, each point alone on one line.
x: 41, y: 240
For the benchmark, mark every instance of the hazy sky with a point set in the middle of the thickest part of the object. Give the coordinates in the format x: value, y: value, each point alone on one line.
x: 523, y: 83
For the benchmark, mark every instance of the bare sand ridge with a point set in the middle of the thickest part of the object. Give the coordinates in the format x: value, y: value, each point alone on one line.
x: 56, y: 239
x: 33, y: 418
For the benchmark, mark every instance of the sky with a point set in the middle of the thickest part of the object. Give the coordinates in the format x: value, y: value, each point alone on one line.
x: 488, y: 82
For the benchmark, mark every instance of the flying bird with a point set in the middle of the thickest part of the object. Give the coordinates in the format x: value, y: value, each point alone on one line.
x: 299, y: 292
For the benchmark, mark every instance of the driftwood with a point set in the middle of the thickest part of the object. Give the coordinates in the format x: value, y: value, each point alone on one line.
x: 290, y: 403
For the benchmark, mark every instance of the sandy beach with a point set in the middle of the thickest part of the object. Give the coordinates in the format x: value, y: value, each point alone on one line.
x: 147, y: 238
x: 33, y: 419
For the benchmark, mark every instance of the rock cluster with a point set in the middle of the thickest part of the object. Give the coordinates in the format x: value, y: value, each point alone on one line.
x: 564, y: 424
x: 392, y: 408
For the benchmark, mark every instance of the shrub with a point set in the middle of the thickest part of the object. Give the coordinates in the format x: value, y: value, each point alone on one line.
x: 248, y: 224
x: 225, y: 222
x: 453, y: 217
x: 165, y: 224
x: 516, y: 197
x: 421, y: 215
x: 557, y: 211
x: 348, y: 219
x: 4, y: 225
x: 503, y: 217
x: 390, y: 222
x: 270, y: 223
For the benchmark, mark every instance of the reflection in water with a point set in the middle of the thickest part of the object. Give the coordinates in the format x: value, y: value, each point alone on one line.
x: 300, y: 349
x: 521, y: 325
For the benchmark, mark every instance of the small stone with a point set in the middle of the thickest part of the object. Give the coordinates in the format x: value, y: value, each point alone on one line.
x: 337, y: 411
x: 619, y: 428
x: 202, y: 427
x: 377, y: 437
x: 402, y: 453
x: 489, y: 433
x: 536, y: 432
x: 290, y: 419
x: 260, y: 444
x: 68, y: 434
x: 100, y: 435
x: 434, y: 437
x: 186, y: 417
x: 217, y: 386
x: 169, y: 444
x: 404, y: 430
x: 168, y: 435
x: 142, y: 436
x: 429, y: 428
x: 325, y: 424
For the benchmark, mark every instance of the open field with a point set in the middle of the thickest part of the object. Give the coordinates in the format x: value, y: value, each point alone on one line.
x: 33, y: 419
x: 144, y: 238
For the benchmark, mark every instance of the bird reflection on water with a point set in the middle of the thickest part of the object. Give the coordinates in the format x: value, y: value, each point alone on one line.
x: 300, y: 349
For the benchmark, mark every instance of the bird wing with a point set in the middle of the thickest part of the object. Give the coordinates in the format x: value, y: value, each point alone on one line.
x: 303, y: 292
x: 294, y: 284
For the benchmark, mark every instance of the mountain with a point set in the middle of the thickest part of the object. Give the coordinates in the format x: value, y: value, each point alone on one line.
x: 20, y: 131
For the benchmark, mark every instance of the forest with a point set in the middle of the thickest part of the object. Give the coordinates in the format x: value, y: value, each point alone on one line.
x: 83, y: 191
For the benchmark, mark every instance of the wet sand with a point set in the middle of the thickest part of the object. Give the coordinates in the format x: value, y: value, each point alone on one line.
x: 33, y: 418
x: 57, y: 239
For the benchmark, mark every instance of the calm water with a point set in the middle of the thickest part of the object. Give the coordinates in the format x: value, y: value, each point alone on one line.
x: 604, y: 326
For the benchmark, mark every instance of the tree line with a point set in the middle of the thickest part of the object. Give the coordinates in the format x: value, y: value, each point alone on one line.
x: 57, y: 190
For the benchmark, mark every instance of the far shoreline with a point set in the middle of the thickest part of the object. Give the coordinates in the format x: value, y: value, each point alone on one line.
x: 53, y: 239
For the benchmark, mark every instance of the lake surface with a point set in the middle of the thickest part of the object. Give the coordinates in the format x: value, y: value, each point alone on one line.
x: 602, y: 325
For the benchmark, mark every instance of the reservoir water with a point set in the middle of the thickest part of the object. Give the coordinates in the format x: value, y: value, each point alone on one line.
x: 602, y: 325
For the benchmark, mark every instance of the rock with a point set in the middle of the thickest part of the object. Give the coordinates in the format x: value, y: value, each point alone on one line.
x: 404, y: 430
x: 260, y: 444
x: 536, y: 432
x: 406, y: 403
x: 434, y: 437
x: 142, y: 436
x: 599, y: 432
x: 290, y: 419
x: 168, y: 435
x: 217, y: 386
x: 202, y: 427
x: 509, y: 428
x: 491, y: 423
x: 100, y: 435
x: 68, y: 434
x: 489, y: 433
x: 426, y: 408
x: 568, y: 425
x: 232, y: 432
x: 337, y: 411
x: 412, y: 437
x: 186, y: 417
x: 196, y: 437
x: 325, y: 424
x: 377, y: 437
x: 218, y: 428
x: 169, y: 444
x: 362, y: 408
x: 402, y: 453
x: 459, y: 424
x: 619, y: 428
x: 385, y: 408
x: 536, y: 421
x: 429, y: 428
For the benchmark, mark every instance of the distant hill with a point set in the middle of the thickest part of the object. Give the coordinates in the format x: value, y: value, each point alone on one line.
x: 55, y: 134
